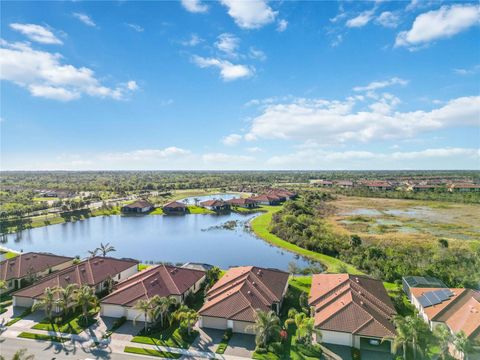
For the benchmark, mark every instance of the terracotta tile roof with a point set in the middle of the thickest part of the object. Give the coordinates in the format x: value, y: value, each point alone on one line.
x: 460, y: 312
x: 174, y: 205
x: 139, y: 204
x: 32, y: 262
x: 240, y: 201
x: 161, y: 280
x: 377, y: 184
x: 352, y: 303
x: 242, y: 290
x: 265, y: 197
x: 213, y: 202
x: 91, y: 272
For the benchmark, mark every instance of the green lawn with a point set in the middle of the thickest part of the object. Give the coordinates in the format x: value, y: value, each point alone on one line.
x: 260, y: 226
x: 170, y: 336
x: 192, y: 209
x: 150, y: 352
x: 45, y: 199
x: 27, y: 335
x: 227, y: 335
x: 156, y: 211
x: 19, y: 317
x: 73, y: 324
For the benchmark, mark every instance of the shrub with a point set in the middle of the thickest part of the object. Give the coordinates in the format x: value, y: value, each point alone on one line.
x: 356, y: 354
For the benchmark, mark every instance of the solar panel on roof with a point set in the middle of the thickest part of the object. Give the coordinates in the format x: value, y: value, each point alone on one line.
x: 424, y: 301
x: 443, y: 294
x: 434, y: 300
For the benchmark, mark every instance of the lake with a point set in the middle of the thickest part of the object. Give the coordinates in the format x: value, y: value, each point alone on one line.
x: 176, y: 239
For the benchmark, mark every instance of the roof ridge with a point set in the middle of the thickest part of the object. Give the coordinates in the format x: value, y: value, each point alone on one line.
x: 449, y: 305
x: 373, y: 318
x: 265, y: 287
x: 332, y: 298
x: 333, y: 314
x: 330, y: 292
x: 263, y: 298
x: 378, y: 304
x: 170, y: 277
x: 205, y: 307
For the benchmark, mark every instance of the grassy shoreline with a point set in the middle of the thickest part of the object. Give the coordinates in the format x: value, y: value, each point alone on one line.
x: 260, y: 226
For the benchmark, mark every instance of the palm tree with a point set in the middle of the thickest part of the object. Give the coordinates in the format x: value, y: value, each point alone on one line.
x: 105, y: 249
x: 416, y: 330
x: 93, y: 252
x: 462, y: 344
x: 266, y: 325
x: 187, y: 317
x: 306, y: 329
x: 402, y: 338
x: 162, y: 307
x: 47, y: 302
x: 22, y: 355
x: 444, y: 337
x: 146, y: 308
x: 66, y: 297
x: 86, y: 299
x: 3, y: 286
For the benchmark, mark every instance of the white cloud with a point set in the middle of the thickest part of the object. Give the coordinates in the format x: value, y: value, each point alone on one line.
x: 228, y: 71
x: 257, y: 54
x: 437, y: 24
x: 470, y: 71
x: 146, y: 154
x: 361, y: 19
x: 228, y: 44
x: 215, y: 158
x: 388, y: 19
x: 44, y: 75
x: 193, y: 41
x: 254, y: 149
x: 195, y: 6
x: 381, y: 84
x: 251, y: 14
x: 135, y: 27
x: 282, y: 25
x: 232, y: 139
x: 84, y: 18
x: 333, y: 121
x: 36, y: 33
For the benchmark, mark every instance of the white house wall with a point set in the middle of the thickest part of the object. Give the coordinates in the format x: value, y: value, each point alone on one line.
x: 22, y: 301
x: 338, y: 338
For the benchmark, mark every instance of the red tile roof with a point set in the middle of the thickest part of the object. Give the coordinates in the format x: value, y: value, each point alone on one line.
x: 240, y: 201
x: 213, y: 202
x: 243, y: 290
x: 352, y: 303
x: 161, y: 280
x: 139, y: 204
x: 174, y: 205
x: 265, y: 197
x: 32, y: 262
x: 377, y: 184
x: 91, y: 272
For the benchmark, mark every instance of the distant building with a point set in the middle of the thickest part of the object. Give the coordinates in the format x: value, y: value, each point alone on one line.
x: 424, y: 188
x: 378, y: 185
x: 197, y: 266
x: 322, y: 183
x: 344, y: 184
x: 216, y: 205
x: 352, y: 310
x: 138, y: 206
x: 265, y: 199
x: 465, y: 187
x: 243, y: 203
x: 175, y: 207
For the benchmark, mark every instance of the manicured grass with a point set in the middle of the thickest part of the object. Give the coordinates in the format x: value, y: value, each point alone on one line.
x: 260, y: 226
x: 156, y: 211
x: 170, y: 336
x: 105, y: 212
x: 45, y: 199
x: 224, y: 343
x: 27, y: 335
x: 19, y: 317
x: 302, y: 283
x: 72, y: 324
x: 151, y: 352
x: 192, y: 209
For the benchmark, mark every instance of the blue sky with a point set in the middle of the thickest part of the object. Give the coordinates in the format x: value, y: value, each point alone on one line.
x: 240, y: 85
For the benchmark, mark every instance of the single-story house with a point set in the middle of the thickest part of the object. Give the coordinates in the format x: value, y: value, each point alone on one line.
x: 409, y: 282
x: 345, y: 184
x: 264, y: 199
x: 322, y: 183
x: 378, y: 185
x: 138, y: 206
x: 352, y: 310
x: 232, y: 301
x: 243, y: 203
x: 174, y: 207
x: 161, y: 280
x: 96, y: 272
x: 197, y: 266
x: 27, y: 267
x: 424, y: 187
x: 216, y: 205
x: 465, y: 187
x: 457, y: 308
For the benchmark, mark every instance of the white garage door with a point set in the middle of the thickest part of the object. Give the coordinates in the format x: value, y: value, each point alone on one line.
x: 214, y: 323
x: 115, y: 311
x: 132, y: 315
x: 242, y: 327
x: 22, y: 301
x: 334, y: 337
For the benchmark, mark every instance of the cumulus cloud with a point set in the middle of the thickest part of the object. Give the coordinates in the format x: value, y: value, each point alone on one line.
x: 232, y: 139
x: 360, y: 20
x: 84, y: 18
x: 194, y: 40
x: 381, y: 84
x: 257, y: 54
x: 228, y: 71
x: 135, y: 27
x: 252, y: 14
x: 194, y: 6
x: 282, y: 25
x: 352, y: 120
x: 228, y: 44
x: 388, y: 19
x: 468, y: 71
x: 437, y: 24
x: 36, y: 33
x: 146, y: 154
x: 44, y: 75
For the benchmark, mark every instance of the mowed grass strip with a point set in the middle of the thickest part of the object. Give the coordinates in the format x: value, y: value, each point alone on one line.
x: 151, y: 352
x: 260, y: 226
x: 42, y: 337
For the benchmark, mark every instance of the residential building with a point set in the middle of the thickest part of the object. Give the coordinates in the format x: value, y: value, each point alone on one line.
x: 25, y: 268
x: 138, y: 206
x: 216, y: 205
x: 345, y: 184
x: 233, y: 300
x: 265, y: 199
x: 96, y: 272
x: 378, y: 185
x: 242, y: 202
x: 352, y: 310
x: 409, y: 282
x: 174, y: 207
x: 465, y: 187
x: 161, y: 280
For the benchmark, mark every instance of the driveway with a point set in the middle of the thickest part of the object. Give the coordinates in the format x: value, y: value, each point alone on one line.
x: 241, y: 345
x: 127, y: 331
x: 207, y: 340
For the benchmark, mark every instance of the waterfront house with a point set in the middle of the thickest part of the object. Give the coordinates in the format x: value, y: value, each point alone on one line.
x: 138, y: 206
x: 95, y: 272
x: 243, y: 203
x: 233, y: 300
x: 265, y: 199
x: 161, y: 280
x: 174, y: 207
x: 21, y: 270
x: 215, y: 205
x: 352, y: 310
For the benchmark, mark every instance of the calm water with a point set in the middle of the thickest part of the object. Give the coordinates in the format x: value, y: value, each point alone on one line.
x: 197, y: 238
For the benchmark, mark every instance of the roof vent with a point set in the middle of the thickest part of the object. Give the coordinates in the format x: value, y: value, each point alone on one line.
x: 67, y: 278
x: 254, y: 283
x: 249, y: 292
x: 34, y: 255
x: 361, y: 303
x: 83, y: 269
x: 356, y: 280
